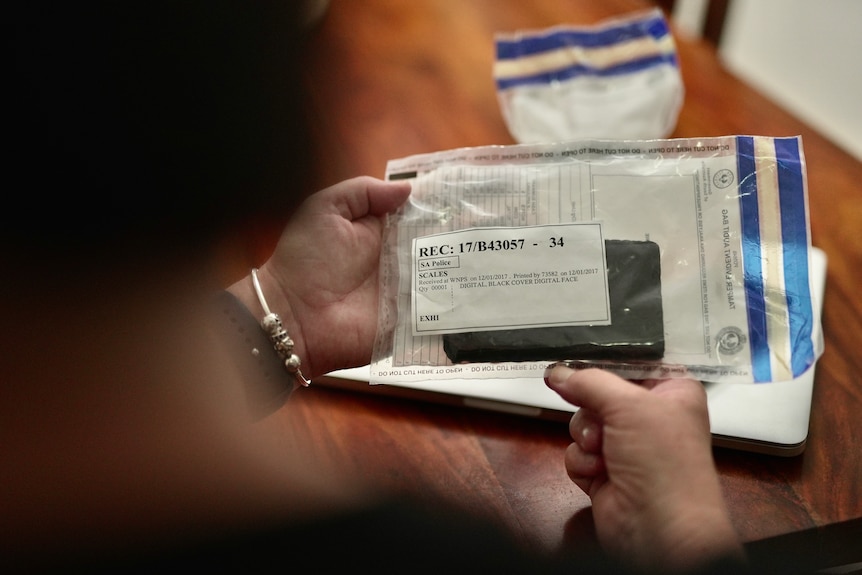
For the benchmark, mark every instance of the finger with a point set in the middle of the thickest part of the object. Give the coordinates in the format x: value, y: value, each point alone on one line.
x: 587, y: 471
x: 585, y: 427
x: 594, y: 389
x: 580, y: 463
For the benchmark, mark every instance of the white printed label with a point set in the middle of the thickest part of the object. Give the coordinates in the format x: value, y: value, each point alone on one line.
x: 484, y: 279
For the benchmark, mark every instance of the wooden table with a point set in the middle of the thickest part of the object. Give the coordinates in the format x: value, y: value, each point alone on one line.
x: 391, y: 78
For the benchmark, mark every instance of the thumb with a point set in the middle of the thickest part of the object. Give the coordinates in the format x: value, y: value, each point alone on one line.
x: 593, y: 389
x: 363, y: 196
x: 385, y: 197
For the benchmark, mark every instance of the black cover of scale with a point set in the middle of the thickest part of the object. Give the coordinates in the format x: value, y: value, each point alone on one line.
x: 636, y: 331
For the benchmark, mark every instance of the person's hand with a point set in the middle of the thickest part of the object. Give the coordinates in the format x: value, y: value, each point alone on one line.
x: 322, y: 278
x: 643, y: 454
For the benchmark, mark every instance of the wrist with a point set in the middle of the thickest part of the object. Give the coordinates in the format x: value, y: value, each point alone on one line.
x: 266, y: 383
x: 692, y: 530
x: 265, y: 299
x: 706, y: 538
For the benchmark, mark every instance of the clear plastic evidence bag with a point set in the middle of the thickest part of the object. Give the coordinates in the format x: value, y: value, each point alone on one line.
x: 649, y: 258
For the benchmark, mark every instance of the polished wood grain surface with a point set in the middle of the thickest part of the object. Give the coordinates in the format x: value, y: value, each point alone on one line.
x: 390, y: 78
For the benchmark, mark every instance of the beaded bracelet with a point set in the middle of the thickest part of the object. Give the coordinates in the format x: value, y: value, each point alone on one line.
x: 266, y: 383
x: 272, y: 325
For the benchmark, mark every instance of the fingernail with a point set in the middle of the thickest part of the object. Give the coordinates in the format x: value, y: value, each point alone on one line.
x: 548, y: 371
x: 590, y: 437
x: 590, y: 460
x: 561, y: 374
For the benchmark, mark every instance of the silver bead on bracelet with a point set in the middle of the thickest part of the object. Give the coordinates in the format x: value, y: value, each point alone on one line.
x: 272, y: 325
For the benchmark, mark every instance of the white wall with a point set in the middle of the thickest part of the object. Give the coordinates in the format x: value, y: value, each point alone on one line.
x: 689, y: 16
x: 806, y: 55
